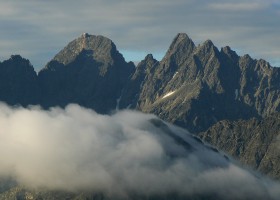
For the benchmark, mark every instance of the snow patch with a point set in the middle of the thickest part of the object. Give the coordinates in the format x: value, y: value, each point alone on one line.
x: 168, y: 94
x: 175, y: 74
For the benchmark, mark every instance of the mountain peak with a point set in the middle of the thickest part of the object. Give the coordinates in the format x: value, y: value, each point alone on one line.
x: 181, y: 40
x: 181, y: 36
x: 85, y: 35
x: 229, y: 53
x: 206, y: 48
x: 101, y: 47
x: 181, y: 47
x: 149, y: 57
x: 17, y: 60
x: 227, y: 50
x: 95, y: 41
x: 148, y: 62
x: 208, y: 43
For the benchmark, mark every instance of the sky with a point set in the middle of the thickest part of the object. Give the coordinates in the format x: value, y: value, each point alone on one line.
x: 39, y: 29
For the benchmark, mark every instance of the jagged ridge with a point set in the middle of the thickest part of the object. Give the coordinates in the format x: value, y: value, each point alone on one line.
x: 192, y: 86
x: 195, y: 87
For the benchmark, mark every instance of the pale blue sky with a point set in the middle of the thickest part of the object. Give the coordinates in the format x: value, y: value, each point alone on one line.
x: 38, y: 29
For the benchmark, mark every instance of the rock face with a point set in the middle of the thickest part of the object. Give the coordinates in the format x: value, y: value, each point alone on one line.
x: 254, y: 142
x: 194, y: 87
x: 140, y: 87
x: 18, y: 82
x: 88, y: 71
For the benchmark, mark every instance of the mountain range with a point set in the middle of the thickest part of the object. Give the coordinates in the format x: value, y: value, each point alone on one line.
x: 192, y: 86
x: 230, y: 101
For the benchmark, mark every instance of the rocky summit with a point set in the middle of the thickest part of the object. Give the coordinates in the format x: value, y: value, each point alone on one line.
x: 230, y: 100
x: 88, y: 71
x: 18, y: 82
x: 195, y: 87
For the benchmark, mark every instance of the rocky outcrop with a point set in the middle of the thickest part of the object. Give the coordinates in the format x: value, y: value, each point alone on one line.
x: 88, y: 71
x: 137, y: 90
x: 18, y: 82
x: 254, y: 142
x: 192, y: 86
x: 195, y: 87
x: 232, y: 100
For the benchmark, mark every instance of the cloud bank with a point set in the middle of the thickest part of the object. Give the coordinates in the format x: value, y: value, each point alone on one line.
x: 76, y: 149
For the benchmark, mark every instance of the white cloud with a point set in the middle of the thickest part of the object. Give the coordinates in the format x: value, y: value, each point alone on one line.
x: 126, y: 153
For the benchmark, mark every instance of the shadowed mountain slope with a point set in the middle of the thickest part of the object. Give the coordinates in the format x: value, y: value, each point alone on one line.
x: 88, y: 71
x: 194, y: 87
